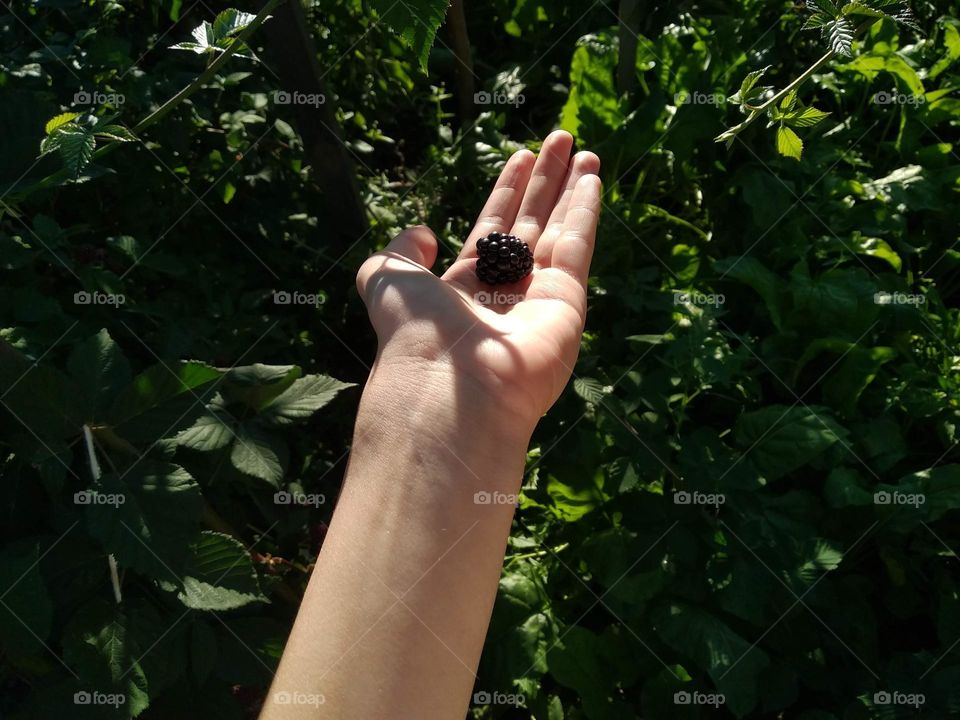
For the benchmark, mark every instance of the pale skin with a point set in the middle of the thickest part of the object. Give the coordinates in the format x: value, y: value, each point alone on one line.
x: 394, y: 617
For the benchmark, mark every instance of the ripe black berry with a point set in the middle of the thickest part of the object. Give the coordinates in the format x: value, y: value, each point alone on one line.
x: 503, y: 259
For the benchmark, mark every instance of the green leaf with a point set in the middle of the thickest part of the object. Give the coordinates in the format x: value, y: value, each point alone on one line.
x: 146, y: 517
x: 116, y: 132
x: 220, y: 575
x: 591, y: 390
x: 258, y: 454
x: 862, y: 9
x: 40, y: 398
x: 26, y: 611
x: 415, y: 21
x: 840, y: 34
x: 752, y: 272
x: 59, y: 121
x: 162, y: 400
x: 101, y: 643
x: 75, y: 147
x: 229, y: 23
x: 304, y: 397
x: 213, y: 430
x: 789, y: 143
x: 592, y: 110
x: 951, y: 40
x: 749, y: 90
x: 803, y: 117
x: 256, y: 386
x: 733, y: 664
x: 782, y: 439
x: 101, y: 370
x: 816, y: 21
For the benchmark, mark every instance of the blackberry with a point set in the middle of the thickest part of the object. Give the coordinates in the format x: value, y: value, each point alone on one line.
x: 503, y: 258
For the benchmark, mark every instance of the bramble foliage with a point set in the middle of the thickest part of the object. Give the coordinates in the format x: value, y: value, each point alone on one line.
x: 727, y: 501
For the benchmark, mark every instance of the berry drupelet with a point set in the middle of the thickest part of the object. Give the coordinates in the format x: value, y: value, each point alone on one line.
x: 503, y: 259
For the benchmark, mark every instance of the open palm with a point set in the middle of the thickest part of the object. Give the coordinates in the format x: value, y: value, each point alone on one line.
x: 516, y: 342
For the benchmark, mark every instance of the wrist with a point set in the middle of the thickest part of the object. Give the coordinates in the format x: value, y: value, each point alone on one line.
x: 428, y: 411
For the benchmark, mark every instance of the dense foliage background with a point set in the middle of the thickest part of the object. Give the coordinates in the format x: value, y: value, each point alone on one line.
x: 775, y: 337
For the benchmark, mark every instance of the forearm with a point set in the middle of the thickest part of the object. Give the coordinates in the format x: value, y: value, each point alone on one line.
x: 394, y: 618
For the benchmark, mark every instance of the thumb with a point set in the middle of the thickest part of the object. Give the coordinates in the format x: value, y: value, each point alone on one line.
x: 413, y: 249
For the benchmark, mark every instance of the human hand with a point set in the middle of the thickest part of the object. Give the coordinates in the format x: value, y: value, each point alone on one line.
x: 511, y: 347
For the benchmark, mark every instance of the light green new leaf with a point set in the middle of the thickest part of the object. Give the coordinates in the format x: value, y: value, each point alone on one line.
x: 220, y: 575
x: 804, y: 117
x: 59, y: 121
x: 789, y: 143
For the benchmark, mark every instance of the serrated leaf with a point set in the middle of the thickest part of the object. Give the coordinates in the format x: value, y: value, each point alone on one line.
x: 100, y: 370
x: 862, y: 9
x: 59, y: 121
x: 220, y: 575
x: 816, y: 21
x: 212, y: 431
x: 116, y: 132
x: 255, y: 453
x: 748, y: 88
x: 415, y: 21
x: 191, y: 46
x: 789, y: 143
x: 840, y: 32
x: 828, y: 7
x: 789, y: 101
x: 76, y: 148
x: 804, y: 117
x: 593, y: 391
x: 230, y: 22
x: 303, y: 398
x: 149, y: 531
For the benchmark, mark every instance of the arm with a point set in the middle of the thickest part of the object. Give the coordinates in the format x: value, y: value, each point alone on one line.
x: 395, y: 614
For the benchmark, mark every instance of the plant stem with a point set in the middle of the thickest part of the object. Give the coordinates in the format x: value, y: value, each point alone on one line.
x: 540, y: 553
x: 761, y: 109
x: 170, y: 104
x: 95, y: 472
